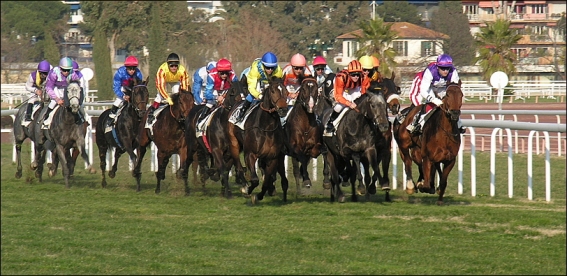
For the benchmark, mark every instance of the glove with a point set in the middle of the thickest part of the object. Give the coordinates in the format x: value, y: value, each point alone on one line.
x: 169, y: 101
x: 437, y: 101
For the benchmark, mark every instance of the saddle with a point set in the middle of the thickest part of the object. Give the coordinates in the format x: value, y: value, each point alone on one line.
x: 336, y: 123
x: 232, y: 118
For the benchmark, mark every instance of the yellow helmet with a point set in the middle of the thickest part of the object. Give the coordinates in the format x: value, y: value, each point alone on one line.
x: 366, y: 62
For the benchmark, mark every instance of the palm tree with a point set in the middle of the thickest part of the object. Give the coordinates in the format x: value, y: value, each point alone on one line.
x: 376, y: 39
x: 494, y: 43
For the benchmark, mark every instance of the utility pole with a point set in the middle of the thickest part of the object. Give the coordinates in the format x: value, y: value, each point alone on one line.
x: 373, y: 4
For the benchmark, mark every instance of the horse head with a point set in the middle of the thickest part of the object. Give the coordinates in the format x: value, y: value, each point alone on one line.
x: 139, y: 97
x: 308, y: 95
x: 375, y: 109
x: 74, y: 96
x: 233, y: 95
x: 182, y: 104
x: 391, y: 93
x: 275, y: 97
x: 453, y: 100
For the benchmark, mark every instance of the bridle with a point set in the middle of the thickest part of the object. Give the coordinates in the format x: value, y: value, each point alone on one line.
x: 135, y: 105
x: 275, y: 101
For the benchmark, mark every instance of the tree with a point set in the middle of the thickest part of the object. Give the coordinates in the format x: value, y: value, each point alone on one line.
x: 494, y: 43
x: 450, y: 20
x: 103, y: 68
x: 50, y: 50
x: 399, y: 11
x: 376, y: 39
x: 156, y: 40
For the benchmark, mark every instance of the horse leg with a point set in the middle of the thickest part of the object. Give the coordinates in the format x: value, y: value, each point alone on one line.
x: 284, y: 182
x: 102, y: 149
x: 326, y: 178
x: 428, y: 168
x: 62, y: 153
x: 405, y: 155
x: 19, y: 158
x: 336, y: 191
x: 250, y: 160
x: 40, y: 160
x: 184, y: 167
x: 117, y: 153
x: 221, y: 168
x: 443, y: 180
x: 54, y: 164
x: 136, y: 172
x: 385, y: 160
x: 296, y: 175
x: 356, y: 165
x: 163, y: 159
x: 270, y: 168
x: 304, y: 161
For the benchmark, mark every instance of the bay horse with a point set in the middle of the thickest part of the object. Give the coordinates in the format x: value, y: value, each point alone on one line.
x: 169, y: 137
x: 304, y: 131
x: 65, y: 133
x: 355, y: 141
x: 123, y: 136
x: 262, y: 139
x: 215, y: 139
x: 438, y: 143
x: 21, y: 133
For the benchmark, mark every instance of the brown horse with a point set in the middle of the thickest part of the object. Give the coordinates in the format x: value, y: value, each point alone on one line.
x: 438, y: 144
x: 304, y: 131
x: 169, y: 137
x: 262, y: 139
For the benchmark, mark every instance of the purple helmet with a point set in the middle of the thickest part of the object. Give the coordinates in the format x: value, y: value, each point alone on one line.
x: 44, y: 66
x: 75, y: 66
x: 445, y: 60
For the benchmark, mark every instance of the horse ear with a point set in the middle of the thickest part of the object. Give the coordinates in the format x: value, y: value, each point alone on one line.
x: 145, y: 82
x: 393, y: 76
x: 460, y: 82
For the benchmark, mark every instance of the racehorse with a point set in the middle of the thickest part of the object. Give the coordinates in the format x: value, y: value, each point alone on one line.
x: 215, y: 139
x: 65, y: 133
x: 123, y: 136
x: 262, y: 139
x: 21, y: 133
x: 438, y: 144
x: 168, y: 134
x: 355, y: 141
x: 303, y: 131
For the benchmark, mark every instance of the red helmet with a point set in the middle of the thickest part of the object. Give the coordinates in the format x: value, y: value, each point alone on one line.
x: 224, y: 65
x: 319, y: 60
x: 131, y: 61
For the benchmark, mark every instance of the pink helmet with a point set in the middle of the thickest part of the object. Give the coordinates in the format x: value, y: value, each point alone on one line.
x: 131, y: 61
x: 298, y: 60
x: 319, y: 60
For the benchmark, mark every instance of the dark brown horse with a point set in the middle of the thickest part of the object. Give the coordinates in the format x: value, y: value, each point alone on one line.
x: 304, y: 131
x: 169, y: 137
x: 262, y: 139
x: 215, y: 140
x: 437, y: 145
x: 123, y: 136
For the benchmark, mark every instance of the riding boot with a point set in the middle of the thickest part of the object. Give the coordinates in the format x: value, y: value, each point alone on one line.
x: 330, y: 127
x: 47, y: 113
x: 203, y: 114
x: 112, y: 115
x: 29, y: 112
x: 243, y: 110
x: 415, y: 126
x: 151, y: 117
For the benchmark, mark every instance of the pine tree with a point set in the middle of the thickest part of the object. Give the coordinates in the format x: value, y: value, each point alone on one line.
x: 50, y: 49
x: 103, y: 68
x: 156, y: 42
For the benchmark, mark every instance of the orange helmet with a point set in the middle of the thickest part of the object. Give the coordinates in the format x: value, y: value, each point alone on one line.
x: 376, y: 61
x: 354, y: 66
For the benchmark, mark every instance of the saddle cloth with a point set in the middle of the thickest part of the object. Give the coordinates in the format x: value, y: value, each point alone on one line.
x: 336, y: 123
x: 47, y: 123
x: 156, y: 113
x: 204, y: 123
x: 110, y: 127
x: 232, y: 118
x: 283, y: 120
x: 36, y: 107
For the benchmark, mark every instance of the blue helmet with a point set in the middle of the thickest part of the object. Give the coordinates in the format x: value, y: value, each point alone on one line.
x: 445, y: 60
x: 269, y: 59
x: 211, y: 65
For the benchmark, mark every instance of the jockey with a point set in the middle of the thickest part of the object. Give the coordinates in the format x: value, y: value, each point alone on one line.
x: 172, y: 74
x: 200, y: 81
x: 292, y: 72
x: 218, y: 81
x: 35, y: 85
x: 376, y: 65
x: 429, y: 84
x: 57, y: 80
x: 124, y: 81
x: 260, y: 71
x: 349, y: 86
x: 320, y: 69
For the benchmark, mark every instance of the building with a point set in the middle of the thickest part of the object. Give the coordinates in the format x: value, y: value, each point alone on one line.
x: 210, y: 7
x: 415, y: 44
x: 75, y: 44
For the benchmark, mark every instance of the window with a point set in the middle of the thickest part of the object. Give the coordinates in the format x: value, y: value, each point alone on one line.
x: 401, y: 48
x: 427, y: 48
x: 539, y: 8
x: 539, y: 30
x: 471, y: 9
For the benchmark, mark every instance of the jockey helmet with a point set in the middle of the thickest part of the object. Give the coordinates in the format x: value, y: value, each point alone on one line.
x: 44, y: 66
x: 375, y: 61
x: 75, y: 66
x: 269, y: 59
x: 444, y: 60
x: 211, y: 65
x: 224, y: 65
x: 66, y: 63
x: 131, y: 61
x: 298, y: 60
x: 319, y: 60
x: 354, y: 66
x: 366, y: 62
x: 173, y: 58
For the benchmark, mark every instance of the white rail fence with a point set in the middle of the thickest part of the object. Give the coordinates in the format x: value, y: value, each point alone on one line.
x: 496, y: 125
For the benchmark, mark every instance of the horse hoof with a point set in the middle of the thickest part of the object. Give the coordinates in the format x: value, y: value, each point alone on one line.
x: 51, y: 173
x: 215, y: 177
x: 18, y: 175
x: 341, y: 199
x: 372, y: 189
x: 410, y: 191
x: 386, y: 187
x: 326, y: 185
x: 157, y: 191
x: 244, y: 189
x: 439, y: 202
x: 103, y: 184
x: 92, y: 171
x: 254, y: 199
x: 345, y: 184
x: 361, y: 190
x: 111, y: 174
x: 33, y: 166
x: 272, y: 192
x: 307, y: 183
